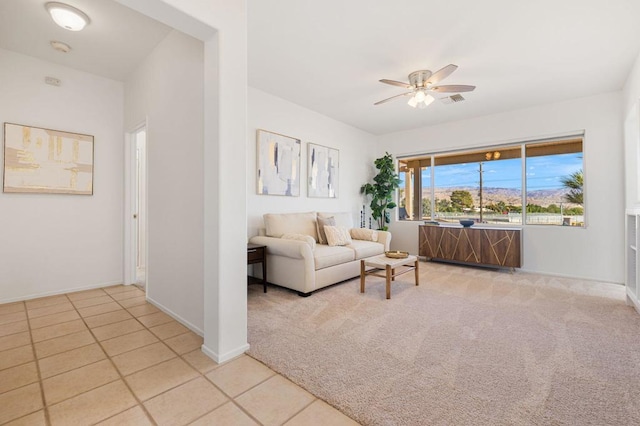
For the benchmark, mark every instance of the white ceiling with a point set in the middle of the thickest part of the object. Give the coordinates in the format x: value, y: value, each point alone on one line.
x: 329, y: 55
x: 115, y: 41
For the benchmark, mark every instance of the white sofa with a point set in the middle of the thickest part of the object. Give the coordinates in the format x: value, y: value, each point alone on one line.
x: 303, y: 264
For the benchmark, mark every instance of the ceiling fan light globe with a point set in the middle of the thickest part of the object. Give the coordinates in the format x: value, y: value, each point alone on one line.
x: 428, y: 100
x: 412, y: 102
x: 420, y: 96
x: 422, y: 105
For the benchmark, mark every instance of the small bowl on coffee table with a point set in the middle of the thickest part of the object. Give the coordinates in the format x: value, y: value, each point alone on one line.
x: 397, y: 254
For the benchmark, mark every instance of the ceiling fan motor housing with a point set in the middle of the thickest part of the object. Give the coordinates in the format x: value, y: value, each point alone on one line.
x: 419, y: 78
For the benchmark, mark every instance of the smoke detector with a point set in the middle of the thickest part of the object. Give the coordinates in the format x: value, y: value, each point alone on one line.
x: 60, y: 46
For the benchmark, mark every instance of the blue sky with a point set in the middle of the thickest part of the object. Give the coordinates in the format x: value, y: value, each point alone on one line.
x: 542, y: 172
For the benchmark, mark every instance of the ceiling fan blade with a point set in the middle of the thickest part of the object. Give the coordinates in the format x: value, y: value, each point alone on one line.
x: 442, y: 73
x: 452, y: 88
x: 396, y: 83
x: 393, y: 97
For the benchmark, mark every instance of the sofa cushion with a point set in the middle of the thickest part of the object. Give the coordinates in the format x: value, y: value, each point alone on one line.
x: 277, y: 224
x: 364, y: 249
x: 337, y: 235
x: 344, y: 219
x: 364, y: 234
x: 321, y: 223
x: 326, y: 256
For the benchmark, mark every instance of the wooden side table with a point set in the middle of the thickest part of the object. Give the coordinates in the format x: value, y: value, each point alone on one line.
x: 257, y: 253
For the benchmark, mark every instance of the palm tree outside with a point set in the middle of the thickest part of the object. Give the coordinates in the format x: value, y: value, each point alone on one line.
x: 574, y: 183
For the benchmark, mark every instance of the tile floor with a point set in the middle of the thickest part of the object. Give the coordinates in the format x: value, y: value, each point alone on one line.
x: 108, y: 357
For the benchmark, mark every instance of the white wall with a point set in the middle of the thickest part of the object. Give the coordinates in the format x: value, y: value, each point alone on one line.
x: 357, y: 152
x: 222, y: 25
x: 595, y: 252
x: 631, y: 90
x: 631, y: 116
x: 59, y: 243
x: 167, y: 90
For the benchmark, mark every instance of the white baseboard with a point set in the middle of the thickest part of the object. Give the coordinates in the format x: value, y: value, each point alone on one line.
x: 211, y: 354
x: 177, y: 317
x: 632, y: 301
x: 575, y: 277
x: 227, y: 356
x: 62, y: 291
x: 594, y: 287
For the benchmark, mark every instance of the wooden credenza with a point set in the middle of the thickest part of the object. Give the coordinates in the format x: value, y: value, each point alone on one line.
x: 484, y: 246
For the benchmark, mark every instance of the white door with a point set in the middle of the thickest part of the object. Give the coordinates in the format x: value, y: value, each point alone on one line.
x: 140, y: 217
x: 135, y: 268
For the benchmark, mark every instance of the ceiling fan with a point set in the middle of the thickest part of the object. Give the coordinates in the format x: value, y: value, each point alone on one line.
x: 422, y: 85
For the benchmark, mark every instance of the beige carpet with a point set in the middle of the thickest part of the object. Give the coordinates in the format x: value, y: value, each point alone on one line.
x: 466, y: 347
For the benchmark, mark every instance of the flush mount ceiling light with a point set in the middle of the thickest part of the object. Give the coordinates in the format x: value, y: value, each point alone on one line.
x: 68, y: 17
x: 60, y: 46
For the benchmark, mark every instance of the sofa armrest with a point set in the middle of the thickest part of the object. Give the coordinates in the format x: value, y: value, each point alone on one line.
x: 384, y: 237
x: 282, y: 247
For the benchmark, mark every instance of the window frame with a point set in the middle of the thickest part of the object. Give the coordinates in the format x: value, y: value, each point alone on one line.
x: 416, y: 190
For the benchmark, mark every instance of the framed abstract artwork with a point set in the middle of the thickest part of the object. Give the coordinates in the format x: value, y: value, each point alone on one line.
x: 278, y: 158
x: 46, y: 161
x: 323, y: 168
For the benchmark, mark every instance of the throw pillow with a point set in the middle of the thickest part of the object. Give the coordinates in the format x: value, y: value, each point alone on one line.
x: 321, y: 222
x: 337, y: 236
x: 342, y: 218
x: 364, y: 234
x: 301, y: 237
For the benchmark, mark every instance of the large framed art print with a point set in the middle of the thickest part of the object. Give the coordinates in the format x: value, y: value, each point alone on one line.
x: 323, y: 167
x: 278, y: 158
x: 38, y: 160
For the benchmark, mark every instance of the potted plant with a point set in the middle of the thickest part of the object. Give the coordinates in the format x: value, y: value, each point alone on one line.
x: 381, y: 191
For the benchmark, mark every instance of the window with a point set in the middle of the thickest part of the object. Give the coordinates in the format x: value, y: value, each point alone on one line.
x: 415, y: 193
x: 555, y: 183
x: 487, y: 185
